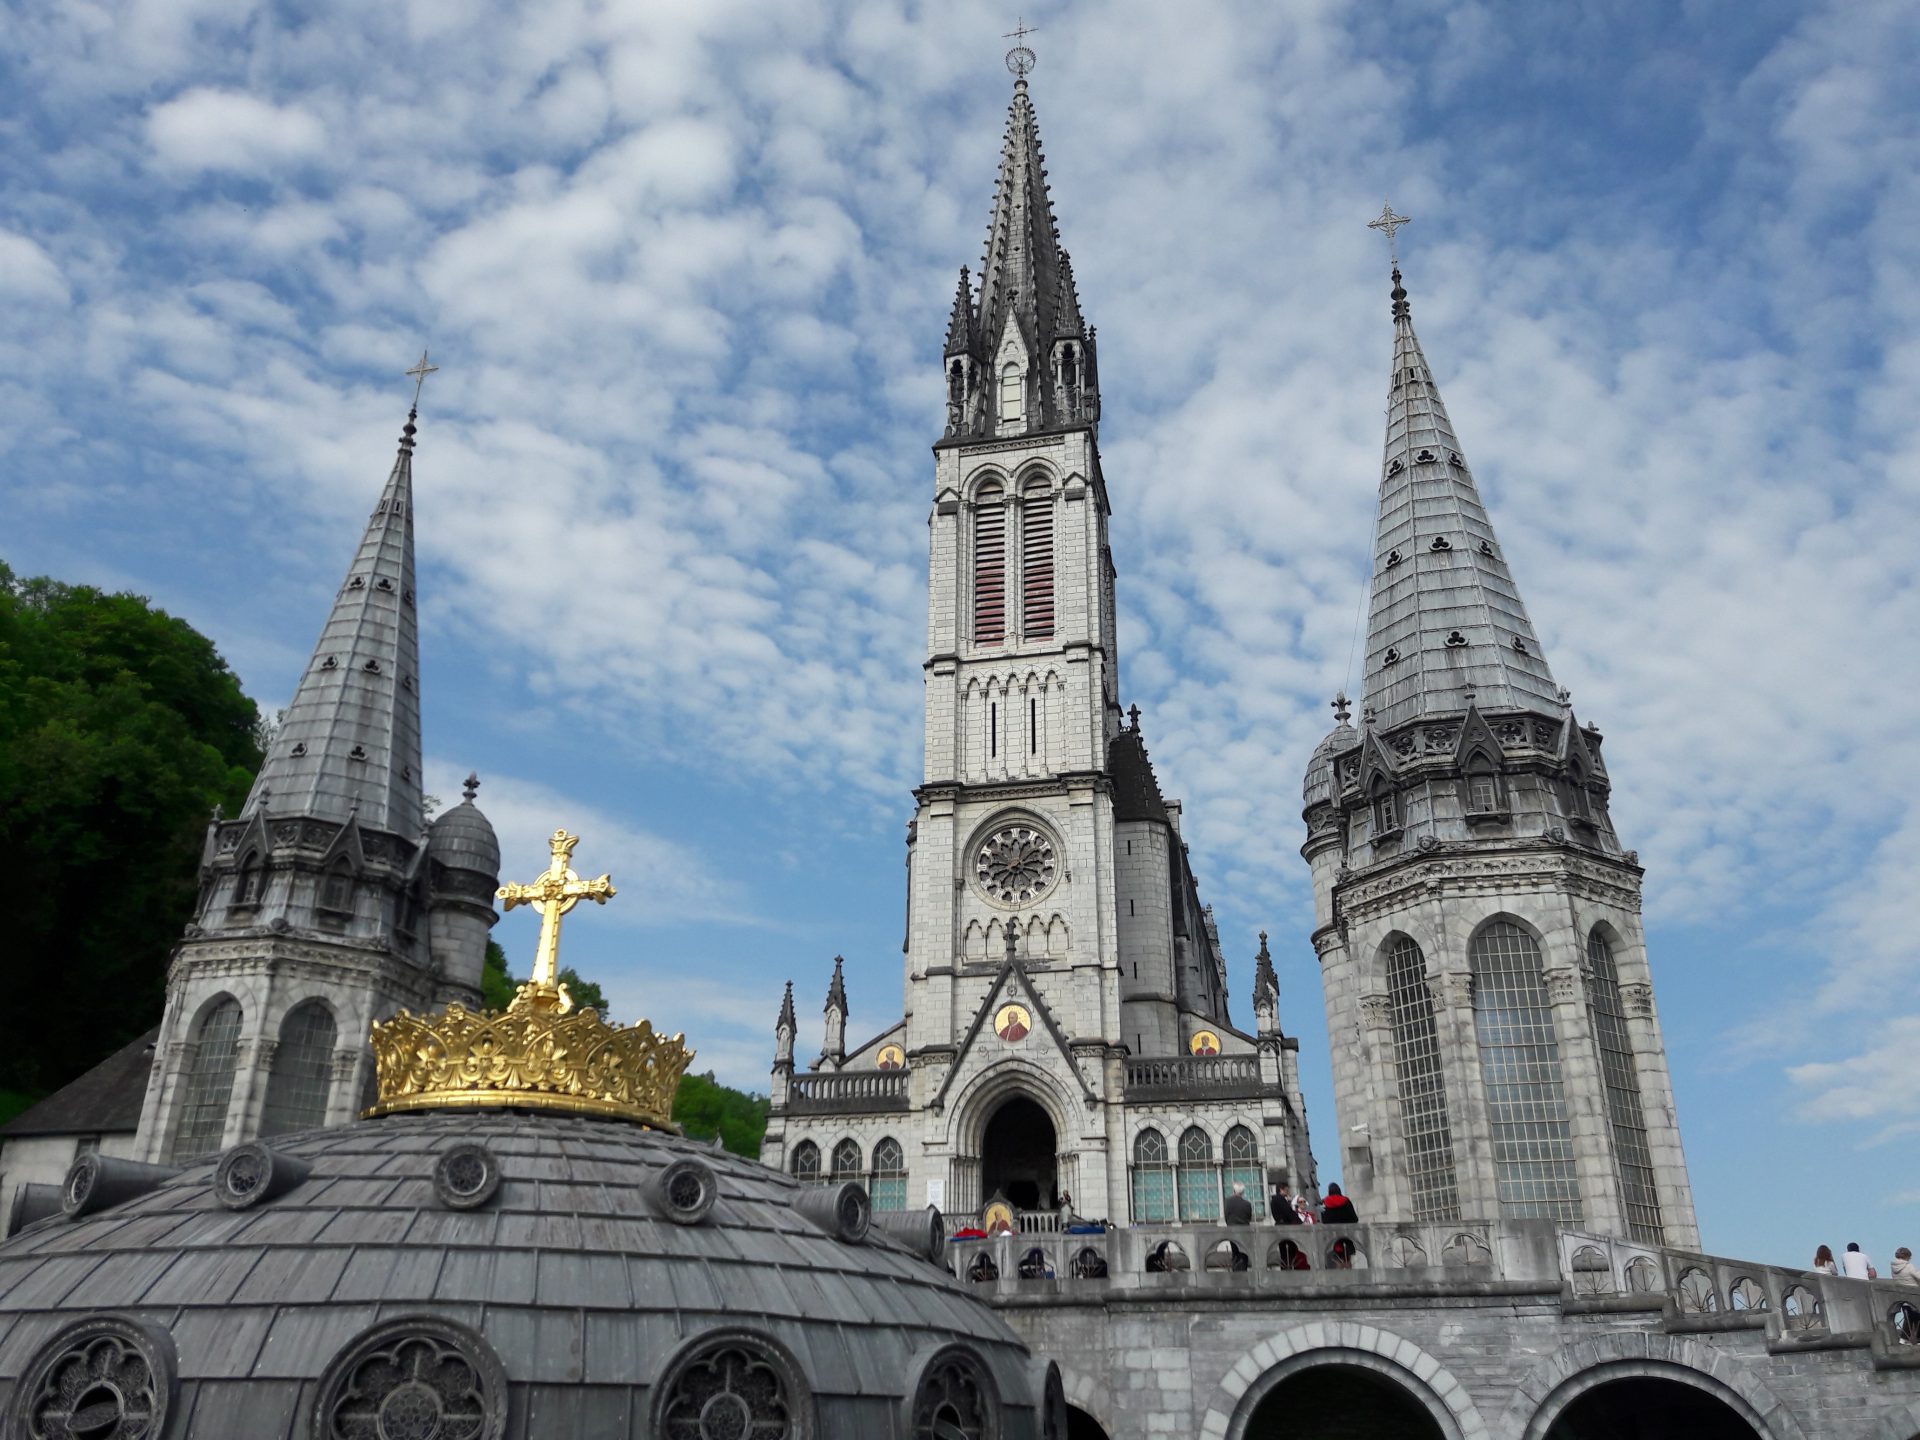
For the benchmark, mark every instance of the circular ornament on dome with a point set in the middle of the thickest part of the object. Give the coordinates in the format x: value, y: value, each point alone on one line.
x: 685, y: 1192
x: 466, y: 1176
x: 417, y: 1377
x: 243, y: 1176
x: 1204, y: 1042
x: 98, y: 1380
x: 1016, y: 864
x: 891, y: 1057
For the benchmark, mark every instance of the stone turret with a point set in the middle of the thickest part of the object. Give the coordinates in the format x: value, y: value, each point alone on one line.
x: 833, y: 1052
x: 463, y: 872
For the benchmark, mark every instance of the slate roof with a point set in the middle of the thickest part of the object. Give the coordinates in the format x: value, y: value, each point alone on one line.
x: 1024, y: 279
x: 570, y: 1273
x: 1438, y: 569
x: 1136, y: 789
x: 104, y: 1101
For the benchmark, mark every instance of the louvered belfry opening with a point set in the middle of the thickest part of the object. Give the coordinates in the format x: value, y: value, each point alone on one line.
x: 989, y: 567
x: 1036, y: 563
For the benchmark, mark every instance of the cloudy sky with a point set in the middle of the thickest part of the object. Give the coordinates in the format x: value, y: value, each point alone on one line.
x: 686, y: 265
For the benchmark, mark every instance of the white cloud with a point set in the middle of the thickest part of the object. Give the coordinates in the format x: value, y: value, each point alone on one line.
x: 28, y: 273
x: 207, y: 129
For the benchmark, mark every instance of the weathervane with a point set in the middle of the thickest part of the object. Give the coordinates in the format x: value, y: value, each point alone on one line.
x: 1020, y: 60
x: 418, y: 374
x: 1390, y: 222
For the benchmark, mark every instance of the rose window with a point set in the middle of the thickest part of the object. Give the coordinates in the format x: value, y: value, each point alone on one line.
x: 415, y: 1379
x: 955, y: 1400
x: 732, y: 1392
x: 104, y: 1380
x: 1016, y: 864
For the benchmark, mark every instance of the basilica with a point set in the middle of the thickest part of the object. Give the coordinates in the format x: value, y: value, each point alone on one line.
x: 330, y: 1197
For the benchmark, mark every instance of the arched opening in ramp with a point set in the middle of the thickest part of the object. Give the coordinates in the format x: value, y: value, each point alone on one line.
x: 1082, y: 1426
x: 1344, y: 1400
x: 1018, y: 1155
x: 1649, y: 1407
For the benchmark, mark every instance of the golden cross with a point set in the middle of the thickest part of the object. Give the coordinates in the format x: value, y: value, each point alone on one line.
x: 553, y: 895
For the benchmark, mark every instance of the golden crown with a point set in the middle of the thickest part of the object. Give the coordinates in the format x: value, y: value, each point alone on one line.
x: 539, y: 1053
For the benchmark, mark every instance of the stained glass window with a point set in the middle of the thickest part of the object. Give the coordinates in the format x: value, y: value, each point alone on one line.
x: 1152, y: 1178
x: 302, y: 1076
x: 1632, y: 1159
x: 209, y: 1083
x: 1520, y: 1065
x: 1426, y: 1131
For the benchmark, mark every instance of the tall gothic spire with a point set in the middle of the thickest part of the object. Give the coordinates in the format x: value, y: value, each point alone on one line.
x: 1446, y: 622
x: 1020, y: 280
x: 350, y: 744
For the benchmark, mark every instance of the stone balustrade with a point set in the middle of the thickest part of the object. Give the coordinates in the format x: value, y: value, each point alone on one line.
x: 1192, y: 1076
x: 847, y: 1092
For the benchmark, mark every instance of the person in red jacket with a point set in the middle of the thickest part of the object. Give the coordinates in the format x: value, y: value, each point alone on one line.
x: 1338, y: 1210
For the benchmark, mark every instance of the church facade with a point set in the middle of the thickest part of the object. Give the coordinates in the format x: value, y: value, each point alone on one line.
x: 1066, y: 1041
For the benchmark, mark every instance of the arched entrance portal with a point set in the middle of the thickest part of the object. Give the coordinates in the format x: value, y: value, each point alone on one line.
x: 1342, y: 1400
x: 1018, y: 1154
x: 1082, y: 1426
x: 1647, y: 1407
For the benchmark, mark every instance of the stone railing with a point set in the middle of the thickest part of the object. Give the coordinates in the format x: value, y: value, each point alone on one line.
x: 1180, y: 1076
x: 847, y: 1092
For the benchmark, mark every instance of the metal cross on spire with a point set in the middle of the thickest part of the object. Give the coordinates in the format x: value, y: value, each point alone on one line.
x: 1390, y: 223
x: 553, y: 894
x: 418, y: 374
x: 1020, y: 60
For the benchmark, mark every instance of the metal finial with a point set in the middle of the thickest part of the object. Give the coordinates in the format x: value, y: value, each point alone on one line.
x: 1020, y: 60
x: 472, y: 787
x: 418, y: 374
x: 1390, y: 223
x: 1342, y: 711
x: 1133, y: 714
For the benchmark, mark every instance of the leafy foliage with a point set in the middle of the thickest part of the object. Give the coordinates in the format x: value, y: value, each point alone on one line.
x: 120, y: 729
x: 702, y: 1107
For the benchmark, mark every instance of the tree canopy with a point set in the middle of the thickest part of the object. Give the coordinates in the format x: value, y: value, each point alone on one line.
x: 121, y: 727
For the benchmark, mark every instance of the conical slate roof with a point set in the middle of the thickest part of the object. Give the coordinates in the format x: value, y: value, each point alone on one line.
x: 1020, y: 280
x: 1446, y: 617
x: 350, y: 744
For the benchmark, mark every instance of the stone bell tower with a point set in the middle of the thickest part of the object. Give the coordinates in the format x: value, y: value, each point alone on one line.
x: 1496, y: 1050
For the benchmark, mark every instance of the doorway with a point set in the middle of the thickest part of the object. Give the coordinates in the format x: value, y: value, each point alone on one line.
x: 1018, y: 1156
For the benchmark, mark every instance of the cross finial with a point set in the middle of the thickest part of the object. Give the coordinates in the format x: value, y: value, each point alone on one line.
x: 1020, y: 60
x: 418, y: 374
x: 1133, y: 714
x: 1342, y: 711
x: 1013, y: 942
x: 1390, y: 223
x: 553, y: 894
x: 472, y: 787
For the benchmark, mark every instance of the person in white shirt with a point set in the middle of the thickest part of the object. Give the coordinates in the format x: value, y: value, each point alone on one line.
x: 1854, y: 1264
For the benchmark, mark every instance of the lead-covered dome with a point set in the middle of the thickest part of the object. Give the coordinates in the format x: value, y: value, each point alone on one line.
x: 495, y: 1274
x: 463, y: 839
x: 1318, y: 785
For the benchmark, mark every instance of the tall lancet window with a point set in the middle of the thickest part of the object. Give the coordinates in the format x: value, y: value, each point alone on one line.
x: 208, y: 1089
x: 1624, y: 1109
x: 1152, y: 1178
x: 1036, y: 560
x: 1423, y: 1088
x: 1520, y: 1065
x: 1012, y: 391
x: 302, y: 1074
x: 989, y: 565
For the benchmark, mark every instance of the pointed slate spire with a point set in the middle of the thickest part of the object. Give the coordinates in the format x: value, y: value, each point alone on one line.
x: 1067, y: 323
x: 1446, y: 618
x: 837, y: 987
x: 1266, y: 982
x: 1020, y: 278
x: 787, y: 1021
x: 960, y: 336
x: 350, y: 744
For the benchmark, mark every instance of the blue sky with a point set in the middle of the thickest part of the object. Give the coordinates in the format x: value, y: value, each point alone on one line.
x: 687, y: 266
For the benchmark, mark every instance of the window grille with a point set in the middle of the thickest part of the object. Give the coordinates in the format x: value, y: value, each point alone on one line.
x: 1426, y: 1129
x: 1386, y: 813
x: 1241, y: 1154
x: 889, y: 1188
x: 989, y: 567
x: 1152, y: 1178
x: 1520, y: 1065
x: 301, y: 1080
x: 1012, y: 391
x: 846, y: 1160
x: 336, y: 890
x: 209, y: 1087
x: 1632, y: 1158
x: 806, y: 1162
x: 1199, y: 1180
x: 1036, y: 564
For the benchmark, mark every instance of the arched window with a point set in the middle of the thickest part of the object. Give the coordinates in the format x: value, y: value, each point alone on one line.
x: 1012, y: 391
x: 846, y: 1160
x: 1386, y: 810
x: 989, y: 565
x: 250, y: 882
x: 1520, y: 1065
x: 1624, y: 1108
x: 336, y: 889
x: 302, y: 1074
x: 1152, y: 1178
x: 1199, y: 1181
x: 1483, y: 786
x: 1241, y: 1152
x: 1036, y: 561
x: 1428, y: 1134
x: 1579, y: 802
x: 209, y: 1083
x: 806, y: 1162
x: 889, y: 1188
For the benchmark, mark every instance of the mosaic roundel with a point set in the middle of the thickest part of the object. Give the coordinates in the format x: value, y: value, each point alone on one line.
x: 1204, y: 1042
x: 1015, y: 864
x: 891, y: 1057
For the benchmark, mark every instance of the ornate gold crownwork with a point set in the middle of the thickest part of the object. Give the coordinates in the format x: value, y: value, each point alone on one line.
x: 539, y: 1053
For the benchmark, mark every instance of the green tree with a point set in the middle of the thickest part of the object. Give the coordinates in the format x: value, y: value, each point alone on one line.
x: 497, y: 984
x: 120, y: 729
